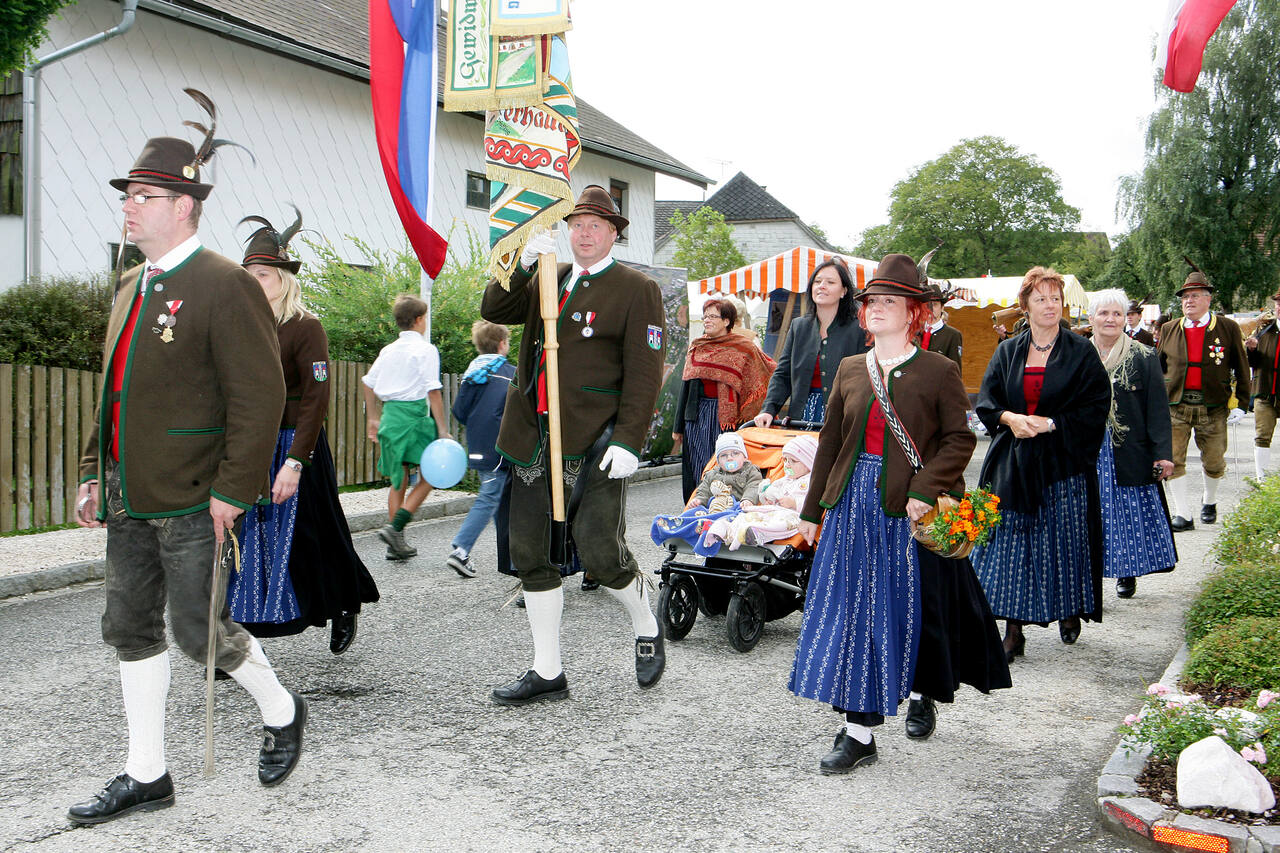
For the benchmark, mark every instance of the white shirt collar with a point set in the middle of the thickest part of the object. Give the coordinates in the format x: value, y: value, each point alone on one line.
x: 412, y: 335
x: 1188, y: 323
x: 177, y: 254
x: 938, y: 325
x: 597, y: 267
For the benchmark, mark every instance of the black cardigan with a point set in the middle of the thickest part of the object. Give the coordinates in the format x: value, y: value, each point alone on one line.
x: 1142, y: 405
x: 800, y: 351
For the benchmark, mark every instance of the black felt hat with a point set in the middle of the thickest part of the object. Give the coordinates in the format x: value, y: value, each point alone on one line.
x: 896, y: 275
x: 270, y: 247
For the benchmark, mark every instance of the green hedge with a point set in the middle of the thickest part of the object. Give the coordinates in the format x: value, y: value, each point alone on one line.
x: 1243, y: 653
x: 55, y: 322
x: 1251, y: 532
x: 1250, y: 589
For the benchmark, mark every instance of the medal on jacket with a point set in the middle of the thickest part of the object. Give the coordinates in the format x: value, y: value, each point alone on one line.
x: 169, y: 320
x: 1216, y: 352
x: 587, y: 331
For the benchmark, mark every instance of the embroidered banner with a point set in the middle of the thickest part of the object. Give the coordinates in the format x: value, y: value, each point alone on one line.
x: 530, y: 17
x: 488, y: 70
x: 529, y: 154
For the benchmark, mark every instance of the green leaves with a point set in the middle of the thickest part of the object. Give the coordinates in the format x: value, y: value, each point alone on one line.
x: 704, y: 244
x: 57, y: 322
x: 23, y: 25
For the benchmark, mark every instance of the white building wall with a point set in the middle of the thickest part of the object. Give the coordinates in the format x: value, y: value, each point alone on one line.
x: 756, y: 240
x: 311, y: 131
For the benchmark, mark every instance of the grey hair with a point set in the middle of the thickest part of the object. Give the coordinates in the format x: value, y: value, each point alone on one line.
x: 1114, y: 296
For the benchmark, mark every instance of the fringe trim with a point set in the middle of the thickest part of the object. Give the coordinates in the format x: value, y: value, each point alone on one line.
x: 505, y: 253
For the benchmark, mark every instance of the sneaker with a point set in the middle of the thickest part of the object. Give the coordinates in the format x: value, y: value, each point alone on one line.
x: 460, y: 561
x: 397, y: 547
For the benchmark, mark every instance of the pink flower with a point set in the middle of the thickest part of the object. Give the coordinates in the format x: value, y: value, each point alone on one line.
x: 1254, y: 753
x: 1266, y: 697
x: 1220, y: 732
x: 1157, y: 690
x: 1131, y: 719
x: 1173, y: 706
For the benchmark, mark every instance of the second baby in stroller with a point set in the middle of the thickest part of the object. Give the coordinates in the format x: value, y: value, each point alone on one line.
x: 777, y: 513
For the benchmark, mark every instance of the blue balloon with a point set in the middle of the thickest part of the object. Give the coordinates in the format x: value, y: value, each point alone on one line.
x: 443, y: 463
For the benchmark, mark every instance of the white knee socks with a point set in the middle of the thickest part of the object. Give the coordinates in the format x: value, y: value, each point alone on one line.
x: 257, y: 676
x: 1178, y: 491
x: 145, y: 685
x: 1210, y: 491
x: 1261, y: 461
x: 860, y: 733
x: 544, y: 610
x: 635, y: 599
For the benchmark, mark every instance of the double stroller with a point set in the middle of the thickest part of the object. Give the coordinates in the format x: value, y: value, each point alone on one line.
x: 748, y: 586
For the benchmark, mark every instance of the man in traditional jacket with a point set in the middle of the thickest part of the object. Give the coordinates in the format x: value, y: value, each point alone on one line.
x: 190, y: 409
x: 1264, y: 356
x: 611, y: 331
x: 938, y: 336
x: 1200, y: 354
x: 1133, y: 325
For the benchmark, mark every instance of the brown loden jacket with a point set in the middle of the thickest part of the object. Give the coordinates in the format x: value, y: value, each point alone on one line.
x: 304, y: 355
x: 1223, y: 355
x: 930, y: 399
x: 613, y: 373
x: 199, y: 415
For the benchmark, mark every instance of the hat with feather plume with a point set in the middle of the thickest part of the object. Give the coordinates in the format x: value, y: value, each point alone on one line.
x: 271, y: 247
x: 174, y: 164
x: 1195, y: 279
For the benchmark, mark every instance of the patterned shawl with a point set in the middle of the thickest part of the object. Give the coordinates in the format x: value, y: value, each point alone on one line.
x: 1119, y: 362
x: 740, y: 368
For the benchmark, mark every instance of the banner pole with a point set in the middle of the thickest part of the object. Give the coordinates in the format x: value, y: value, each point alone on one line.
x: 548, y: 293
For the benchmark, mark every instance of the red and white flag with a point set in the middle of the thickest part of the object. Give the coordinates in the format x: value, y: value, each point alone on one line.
x: 1187, y: 28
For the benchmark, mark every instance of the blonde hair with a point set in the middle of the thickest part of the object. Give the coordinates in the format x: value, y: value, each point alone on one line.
x: 289, y: 304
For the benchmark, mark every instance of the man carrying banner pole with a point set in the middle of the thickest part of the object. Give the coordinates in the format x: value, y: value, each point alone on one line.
x: 608, y: 322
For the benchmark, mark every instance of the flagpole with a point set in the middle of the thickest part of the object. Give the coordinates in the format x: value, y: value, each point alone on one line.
x: 548, y: 291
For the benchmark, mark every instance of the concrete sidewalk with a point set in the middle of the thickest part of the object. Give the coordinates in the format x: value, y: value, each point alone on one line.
x: 59, y: 558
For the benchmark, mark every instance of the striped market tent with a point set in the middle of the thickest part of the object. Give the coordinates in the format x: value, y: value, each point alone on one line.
x: 787, y: 271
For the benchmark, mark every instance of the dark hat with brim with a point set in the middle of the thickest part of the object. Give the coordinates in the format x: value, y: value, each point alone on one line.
x: 166, y: 162
x: 597, y: 201
x: 933, y: 293
x: 1195, y: 281
x: 896, y: 275
x: 270, y: 247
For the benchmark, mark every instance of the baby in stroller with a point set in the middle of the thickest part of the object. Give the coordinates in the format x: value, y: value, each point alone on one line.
x: 777, y: 515
x: 730, y: 480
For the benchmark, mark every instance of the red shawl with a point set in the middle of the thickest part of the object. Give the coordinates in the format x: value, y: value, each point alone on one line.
x: 740, y: 368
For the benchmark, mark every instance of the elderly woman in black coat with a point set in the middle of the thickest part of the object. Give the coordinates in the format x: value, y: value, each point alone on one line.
x: 1136, y: 454
x: 815, y: 345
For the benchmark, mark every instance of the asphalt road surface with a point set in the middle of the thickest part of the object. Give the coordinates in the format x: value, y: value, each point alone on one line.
x: 405, y: 750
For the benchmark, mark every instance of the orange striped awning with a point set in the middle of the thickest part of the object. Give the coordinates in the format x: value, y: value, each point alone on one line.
x: 787, y: 271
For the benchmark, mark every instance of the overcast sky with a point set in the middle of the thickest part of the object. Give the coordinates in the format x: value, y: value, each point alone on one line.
x: 829, y: 103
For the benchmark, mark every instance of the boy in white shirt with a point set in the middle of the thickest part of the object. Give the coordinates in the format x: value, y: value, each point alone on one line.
x: 403, y: 381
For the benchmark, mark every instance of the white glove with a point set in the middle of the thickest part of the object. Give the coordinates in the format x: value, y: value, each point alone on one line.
x: 619, y: 463
x: 539, y: 244
x: 1236, y: 416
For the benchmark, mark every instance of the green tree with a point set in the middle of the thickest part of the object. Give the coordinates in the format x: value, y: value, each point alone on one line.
x: 1083, y: 255
x: 23, y: 25
x: 992, y: 207
x: 704, y: 244
x: 1210, y: 187
x: 876, y: 242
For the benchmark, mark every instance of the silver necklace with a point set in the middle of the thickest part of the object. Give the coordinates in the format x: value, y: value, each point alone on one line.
x: 1047, y: 346
x: 886, y: 363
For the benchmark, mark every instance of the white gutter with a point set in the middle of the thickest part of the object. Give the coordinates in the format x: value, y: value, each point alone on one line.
x: 31, y: 135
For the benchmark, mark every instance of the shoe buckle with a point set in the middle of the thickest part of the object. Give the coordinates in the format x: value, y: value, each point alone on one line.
x: 646, y: 648
x: 268, y: 742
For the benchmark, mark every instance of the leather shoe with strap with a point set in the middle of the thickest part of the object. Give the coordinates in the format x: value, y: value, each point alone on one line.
x: 123, y: 795
x: 847, y: 754
x: 1209, y: 513
x: 282, y: 746
x: 922, y: 716
x: 532, y: 687
x: 651, y: 659
x: 1179, y: 524
x: 342, y: 632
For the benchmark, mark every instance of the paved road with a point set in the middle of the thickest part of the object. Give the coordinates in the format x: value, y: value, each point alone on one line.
x: 405, y: 750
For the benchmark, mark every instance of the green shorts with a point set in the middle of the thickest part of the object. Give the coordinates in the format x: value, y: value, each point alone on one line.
x: 405, y: 430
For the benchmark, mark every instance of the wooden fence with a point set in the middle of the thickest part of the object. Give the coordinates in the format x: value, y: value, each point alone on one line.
x: 46, y: 414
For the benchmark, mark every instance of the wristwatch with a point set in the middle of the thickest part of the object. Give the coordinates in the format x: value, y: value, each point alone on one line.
x: 294, y: 464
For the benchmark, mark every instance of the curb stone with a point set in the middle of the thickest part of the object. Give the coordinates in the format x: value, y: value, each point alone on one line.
x: 58, y: 577
x: 1151, y: 825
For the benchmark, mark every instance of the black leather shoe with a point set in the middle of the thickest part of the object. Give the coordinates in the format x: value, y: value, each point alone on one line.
x: 282, y: 746
x: 123, y: 795
x: 1069, y: 629
x: 342, y: 632
x: 1209, y: 513
x: 1126, y: 587
x: 922, y: 716
x: 589, y: 583
x: 847, y: 754
x: 651, y: 659
x: 1179, y: 524
x: 532, y: 687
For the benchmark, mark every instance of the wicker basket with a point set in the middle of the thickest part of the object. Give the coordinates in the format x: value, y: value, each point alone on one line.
x: 920, y: 531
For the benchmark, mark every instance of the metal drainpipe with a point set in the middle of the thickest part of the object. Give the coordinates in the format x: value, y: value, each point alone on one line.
x: 31, y: 133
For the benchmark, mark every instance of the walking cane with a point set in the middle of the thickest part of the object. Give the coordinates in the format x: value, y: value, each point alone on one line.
x: 217, y: 586
x: 549, y: 308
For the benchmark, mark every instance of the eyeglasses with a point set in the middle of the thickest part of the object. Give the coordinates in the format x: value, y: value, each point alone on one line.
x: 141, y: 198
x: 710, y: 316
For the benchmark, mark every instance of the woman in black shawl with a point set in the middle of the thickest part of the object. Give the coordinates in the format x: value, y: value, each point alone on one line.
x: 1044, y: 401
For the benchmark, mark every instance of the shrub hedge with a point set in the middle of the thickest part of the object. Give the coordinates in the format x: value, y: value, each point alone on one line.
x: 55, y: 322
x: 1249, y: 589
x: 1251, y: 533
x: 1242, y: 653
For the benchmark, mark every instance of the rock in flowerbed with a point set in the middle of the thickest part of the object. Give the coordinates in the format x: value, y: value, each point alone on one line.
x: 1213, y: 775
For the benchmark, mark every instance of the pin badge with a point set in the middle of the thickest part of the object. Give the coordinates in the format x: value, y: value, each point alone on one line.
x: 158, y: 288
x: 189, y: 173
x: 167, y: 335
x: 577, y: 315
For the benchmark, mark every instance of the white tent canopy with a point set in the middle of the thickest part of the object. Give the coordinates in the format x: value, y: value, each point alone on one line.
x: 1002, y: 291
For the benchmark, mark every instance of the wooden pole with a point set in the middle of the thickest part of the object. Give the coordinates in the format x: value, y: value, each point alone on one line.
x: 549, y: 305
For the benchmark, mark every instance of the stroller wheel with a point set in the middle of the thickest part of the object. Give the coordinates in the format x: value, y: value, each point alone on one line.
x: 678, y: 605
x: 744, y: 622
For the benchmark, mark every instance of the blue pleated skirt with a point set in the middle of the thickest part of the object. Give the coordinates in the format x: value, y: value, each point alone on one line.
x: 861, y: 625
x: 815, y: 406
x: 262, y: 591
x: 1136, y: 538
x: 1036, y: 566
x: 700, y: 435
